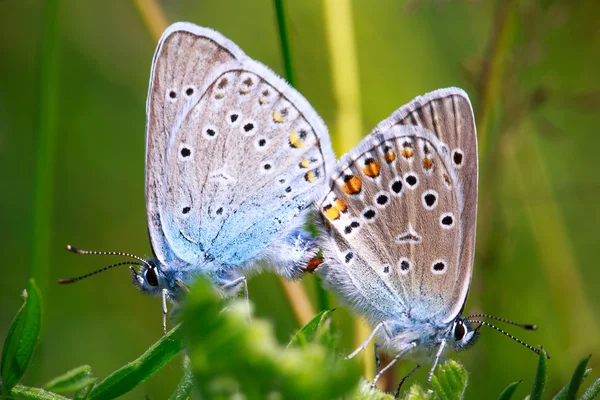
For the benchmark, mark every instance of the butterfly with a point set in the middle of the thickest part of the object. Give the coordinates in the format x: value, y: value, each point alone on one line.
x: 235, y: 157
x: 399, y: 228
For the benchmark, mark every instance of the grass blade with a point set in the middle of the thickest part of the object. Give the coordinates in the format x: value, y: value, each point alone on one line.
x: 72, y: 381
x: 45, y: 124
x: 286, y: 49
x: 136, y: 372
x: 294, y: 291
x: 540, y: 378
x: 184, y: 387
x: 25, y: 392
x: 509, y: 391
x: 577, y: 379
x: 562, y: 394
x: 592, y: 391
x: 307, y: 333
x: 22, y: 338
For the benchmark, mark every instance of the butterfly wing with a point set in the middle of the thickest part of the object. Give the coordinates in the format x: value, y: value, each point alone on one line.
x: 449, y: 114
x: 233, y: 154
x: 395, y: 215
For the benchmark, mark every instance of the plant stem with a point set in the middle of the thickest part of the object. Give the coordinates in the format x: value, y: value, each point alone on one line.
x: 153, y: 16
x: 25, y: 392
x: 346, y: 89
x: 45, y: 126
x: 288, y: 59
x: 295, y: 292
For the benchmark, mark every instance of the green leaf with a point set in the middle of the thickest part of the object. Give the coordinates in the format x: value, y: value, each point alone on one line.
x: 416, y: 392
x: 84, y: 393
x: 24, y: 392
x: 509, y: 391
x: 184, y: 387
x: 540, y: 378
x: 364, y: 391
x: 72, y: 381
x: 136, y: 372
x: 562, y: 394
x: 592, y: 391
x: 230, y: 356
x: 569, y: 391
x: 450, y: 381
x: 22, y: 338
x: 577, y: 378
x: 307, y: 333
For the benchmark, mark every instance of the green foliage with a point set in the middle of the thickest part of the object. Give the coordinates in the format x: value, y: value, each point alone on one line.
x: 184, y: 387
x: 136, y: 372
x: 540, y: 378
x: 509, y: 391
x: 364, y: 391
x: 592, y: 391
x: 22, y: 338
x: 230, y: 355
x: 72, y: 381
x: 307, y: 333
x: 450, y: 381
x: 416, y: 392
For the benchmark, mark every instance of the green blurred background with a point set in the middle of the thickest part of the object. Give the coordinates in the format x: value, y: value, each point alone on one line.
x: 530, y: 67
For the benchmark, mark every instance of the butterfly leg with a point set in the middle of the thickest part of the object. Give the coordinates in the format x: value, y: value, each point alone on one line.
x: 397, y: 395
x: 377, y: 360
x: 164, y: 310
x: 367, y: 340
x: 436, y: 360
x: 391, y: 363
x: 240, y: 281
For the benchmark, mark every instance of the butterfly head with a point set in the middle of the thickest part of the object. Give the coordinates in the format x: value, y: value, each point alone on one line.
x: 150, y: 279
x: 462, y: 336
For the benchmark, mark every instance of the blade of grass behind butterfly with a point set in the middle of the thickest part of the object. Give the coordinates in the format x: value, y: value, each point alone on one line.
x: 488, y: 92
x: 295, y: 291
x: 344, y: 73
x: 46, y: 138
x: 554, y: 247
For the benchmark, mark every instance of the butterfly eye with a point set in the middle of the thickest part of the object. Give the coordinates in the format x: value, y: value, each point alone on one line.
x: 459, y: 331
x: 151, y: 277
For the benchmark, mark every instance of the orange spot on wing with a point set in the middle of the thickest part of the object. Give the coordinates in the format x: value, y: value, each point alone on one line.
x: 372, y: 168
x: 278, y: 117
x: 331, y: 212
x: 304, y: 163
x: 244, y: 91
x: 295, y: 140
x: 311, y: 176
x: 341, y: 205
x: 427, y: 163
x: 407, y: 153
x: 352, y: 184
x: 447, y: 180
x: 390, y: 157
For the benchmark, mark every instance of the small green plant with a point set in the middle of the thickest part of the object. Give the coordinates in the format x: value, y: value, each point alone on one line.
x: 230, y: 357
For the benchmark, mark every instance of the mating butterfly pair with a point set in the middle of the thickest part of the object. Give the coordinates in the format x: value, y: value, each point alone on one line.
x: 236, y: 159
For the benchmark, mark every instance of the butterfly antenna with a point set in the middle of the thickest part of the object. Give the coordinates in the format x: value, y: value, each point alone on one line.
x: 106, y: 253
x: 529, y: 327
x: 71, y: 280
x: 534, y: 349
